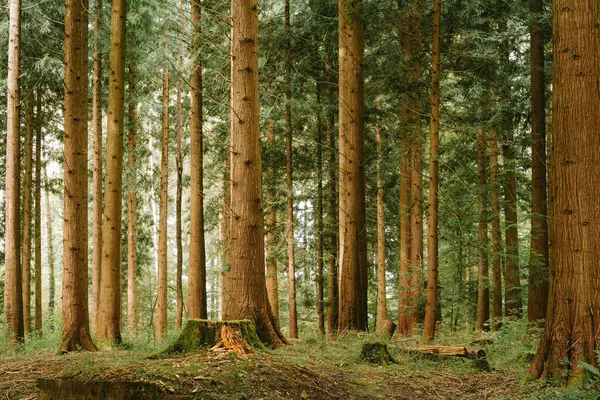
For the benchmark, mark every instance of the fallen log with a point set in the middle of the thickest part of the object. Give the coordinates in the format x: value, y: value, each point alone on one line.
x: 478, y: 355
x: 238, y: 336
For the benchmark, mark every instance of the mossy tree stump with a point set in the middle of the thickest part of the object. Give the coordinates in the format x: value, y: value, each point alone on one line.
x: 377, y: 353
x: 204, y: 334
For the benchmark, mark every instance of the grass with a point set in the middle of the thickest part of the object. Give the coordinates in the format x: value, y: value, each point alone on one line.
x: 312, y: 368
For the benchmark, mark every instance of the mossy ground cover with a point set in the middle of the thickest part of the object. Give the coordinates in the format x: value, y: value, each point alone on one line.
x: 312, y: 368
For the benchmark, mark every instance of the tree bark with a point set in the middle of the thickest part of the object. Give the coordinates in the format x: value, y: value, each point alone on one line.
x: 196, y: 301
x: 245, y: 292
x: 27, y: 200
x: 97, y: 171
x: 161, y: 303
x: 52, y: 282
x: 132, y: 206
x: 404, y: 291
x: 320, y: 244
x: 13, y: 284
x: 352, y: 226
x: 571, y: 329
x: 483, y: 291
x: 416, y: 222
x: 382, y: 316
x: 496, y: 232
x: 75, y: 313
x: 432, y: 241
x: 271, y: 227
x: 179, y: 166
x: 225, y: 228
x: 332, y: 238
x: 109, y: 323
x: 38, y: 214
x: 538, y: 264
x: 288, y: 177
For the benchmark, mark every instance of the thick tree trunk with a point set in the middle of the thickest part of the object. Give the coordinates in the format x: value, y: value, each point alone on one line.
x: 75, y: 313
x: 382, y: 316
x: 288, y: 177
x: 320, y: 245
x: 97, y: 171
x: 179, y: 166
x: 571, y: 329
x: 538, y: 266
x: 245, y: 292
x: 496, y: 232
x: 27, y: 200
x: 38, y: 214
x: 432, y: 241
x: 352, y: 227
x: 109, y: 322
x: 512, y: 282
x: 271, y: 227
x: 132, y: 207
x: 51, y: 278
x: 161, y: 302
x: 483, y: 289
x: 196, y: 301
x: 332, y: 211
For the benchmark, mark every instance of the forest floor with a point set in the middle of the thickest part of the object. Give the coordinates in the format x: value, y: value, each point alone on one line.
x: 309, y: 369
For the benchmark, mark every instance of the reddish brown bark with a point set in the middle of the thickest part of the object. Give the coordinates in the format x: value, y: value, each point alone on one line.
x: 483, y: 290
x: 497, y: 252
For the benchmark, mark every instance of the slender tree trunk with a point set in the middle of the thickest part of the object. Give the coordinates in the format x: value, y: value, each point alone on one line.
x: 404, y: 293
x: 245, y: 291
x: 13, y: 284
x: 496, y: 232
x: 161, y: 303
x: 271, y: 227
x: 38, y: 214
x: 320, y: 245
x: 571, y: 331
x: 27, y: 200
x: 332, y: 238
x: 109, y: 322
x: 483, y: 291
x: 512, y: 287
x: 75, y: 313
x: 432, y: 242
x: 352, y: 227
x: 97, y: 171
x: 132, y: 206
x: 416, y: 222
x: 288, y: 176
x: 197, y: 268
x: 225, y: 227
x: 381, y: 283
x: 179, y: 166
x: 538, y: 267
x: 51, y: 278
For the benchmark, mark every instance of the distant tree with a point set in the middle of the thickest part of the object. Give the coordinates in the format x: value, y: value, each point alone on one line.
x: 27, y: 205
x: 483, y: 289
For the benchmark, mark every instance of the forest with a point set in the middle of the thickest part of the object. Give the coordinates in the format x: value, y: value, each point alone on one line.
x: 300, y: 199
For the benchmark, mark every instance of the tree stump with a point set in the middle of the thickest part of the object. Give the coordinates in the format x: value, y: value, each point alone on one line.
x: 386, y: 329
x: 377, y: 353
x: 239, y: 336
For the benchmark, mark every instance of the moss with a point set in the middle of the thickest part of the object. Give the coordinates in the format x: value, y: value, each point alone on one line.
x: 377, y: 353
x: 203, y: 334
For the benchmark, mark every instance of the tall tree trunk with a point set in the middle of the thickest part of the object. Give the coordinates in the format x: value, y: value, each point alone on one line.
x: 538, y: 266
x: 132, y: 206
x: 225, y: 228
x: 432, y: 241
x: 51, y: 278
x: 245, y: 291
x: 75, y: 313
x: 571, y: 329
x: 332, y: 213
x: 161, y: 303
x: 512, y: 287
x: 197, y: 268
x: 496, y: 232
x: 381, y: 283
x: 97, y: 171
x: 179, y: 166
x: 109, y: 322
x: 27, y: 199
x: 404, y: 292
x: 288, y: 177
x: 271, y: 227
x: 13, y: 284
x: 38, y: 214
x: 416, y: 222
x: 483, y: 291
x: 352, y: 226
x: 320, y: 245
